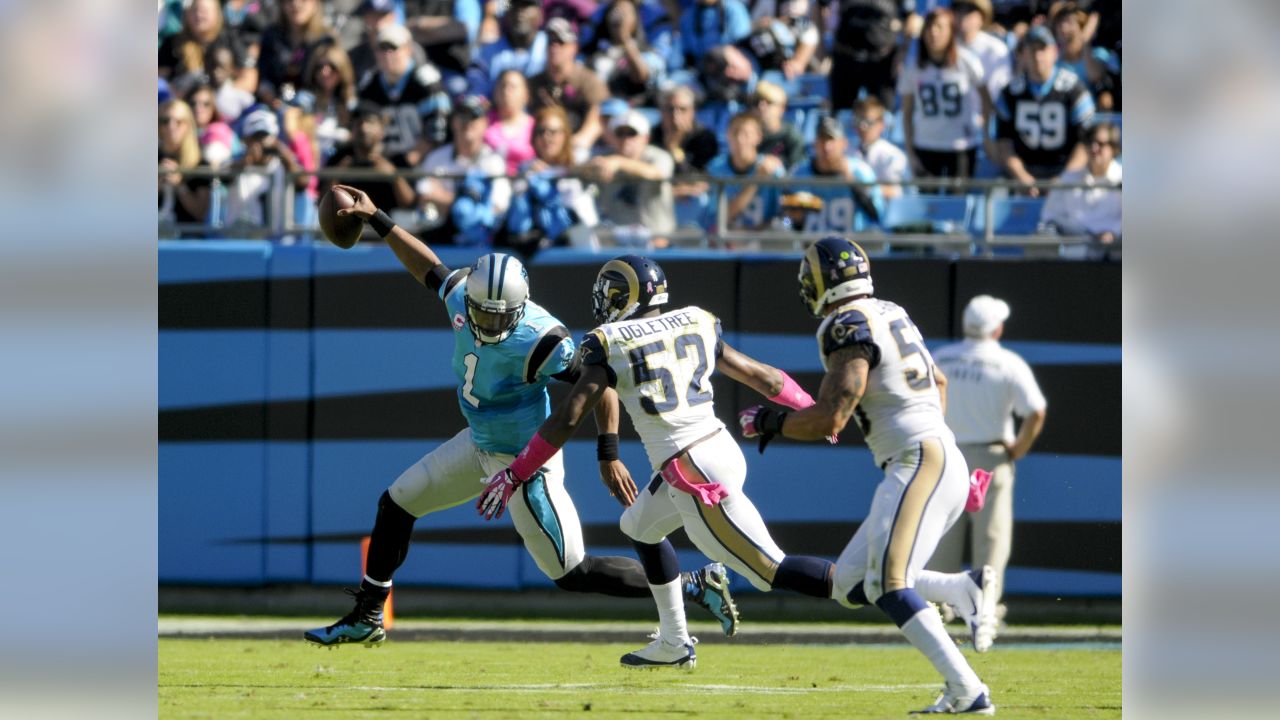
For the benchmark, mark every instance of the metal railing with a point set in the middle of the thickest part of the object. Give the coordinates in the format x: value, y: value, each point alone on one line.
x: 281, y: 223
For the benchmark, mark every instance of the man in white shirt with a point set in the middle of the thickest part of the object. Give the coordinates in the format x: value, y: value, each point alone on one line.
x: 971, y: 17
x: 987, y: 386
x: 886, y: 159
x: 1094, y: 210
x: 465, y: 211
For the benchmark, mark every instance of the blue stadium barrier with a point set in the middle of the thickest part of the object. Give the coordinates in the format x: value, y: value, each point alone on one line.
x: 927, y: 213
x: 1009, y: 216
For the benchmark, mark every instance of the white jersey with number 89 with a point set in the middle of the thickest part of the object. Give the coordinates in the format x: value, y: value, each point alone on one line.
x: 901, y: 404
x: 661, y: 367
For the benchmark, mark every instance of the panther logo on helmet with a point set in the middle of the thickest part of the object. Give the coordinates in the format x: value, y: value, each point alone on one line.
x: 497, y: 290
x: 833, y: 269
x: 618, y: 292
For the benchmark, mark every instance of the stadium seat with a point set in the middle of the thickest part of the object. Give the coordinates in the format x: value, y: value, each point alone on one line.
x: 945, y: 214
x: 1009, y: 216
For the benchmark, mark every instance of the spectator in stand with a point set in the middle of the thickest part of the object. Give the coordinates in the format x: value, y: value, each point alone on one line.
x: 709, y: 24
x: 466, y: 211
x: 1042, y: 114
x: 263, y: 166
x: 568, y: 84
x: 521, y: 47
x: 781, y: 138
x: 945, y: 104
x: 972, y: 17
x: 367, y: 151
x: 887, y: 161
x: 331, y: 81
x: 621, y: 57
x: 635, y: 178
x: 1095, y: 210
x: 412, y: 98
x: 298, y: 131
x: 510, y: 131
x: 446, y: 29
x: 690, y: 144
x: 247, y: 19
x: 288, y: 44
x: 655, y: 21
x: 217, y: 139
x: 548, y: 208
x: 748, y: 207
x: 189, y: 56
x: 844, y: 209
x: 180, y: 199
x: 865, y: 49
x: 1098, y: 67
x: 376, y: 15
x: 783, y: 36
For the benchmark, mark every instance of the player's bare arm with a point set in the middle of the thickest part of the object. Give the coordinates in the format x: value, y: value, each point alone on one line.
x: 841, y: 391
x: 569, y: 414
x: 613, y: 473
x: 764, y: 379
x: 416, y: 256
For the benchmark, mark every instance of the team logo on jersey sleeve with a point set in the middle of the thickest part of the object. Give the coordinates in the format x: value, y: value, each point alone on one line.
x: 458, y: 321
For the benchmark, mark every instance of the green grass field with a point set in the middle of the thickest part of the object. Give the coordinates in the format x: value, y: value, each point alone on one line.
x: 226, y: 678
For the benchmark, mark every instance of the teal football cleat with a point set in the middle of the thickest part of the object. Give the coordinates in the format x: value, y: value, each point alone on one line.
x: 708, y: 588
x: 362, y: 625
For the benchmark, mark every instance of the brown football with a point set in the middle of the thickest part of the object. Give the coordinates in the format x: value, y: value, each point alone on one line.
x: 343, y: 231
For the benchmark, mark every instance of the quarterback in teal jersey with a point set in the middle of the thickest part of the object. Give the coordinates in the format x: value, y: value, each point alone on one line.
x: 506, y: 350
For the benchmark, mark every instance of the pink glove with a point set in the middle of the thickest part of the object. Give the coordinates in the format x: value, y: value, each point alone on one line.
x: 493, y: 501
x: 747, y: 421
x: 978, y: 483
x: 709, y: 493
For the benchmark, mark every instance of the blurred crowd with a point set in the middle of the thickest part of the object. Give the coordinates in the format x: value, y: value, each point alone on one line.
x: 534, y: 124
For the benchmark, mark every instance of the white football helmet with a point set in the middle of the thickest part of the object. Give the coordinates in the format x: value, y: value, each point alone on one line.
x: 497, y: 289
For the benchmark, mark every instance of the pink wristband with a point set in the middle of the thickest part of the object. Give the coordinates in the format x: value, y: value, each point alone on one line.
x: 792, y: 395
x: 533, y: 456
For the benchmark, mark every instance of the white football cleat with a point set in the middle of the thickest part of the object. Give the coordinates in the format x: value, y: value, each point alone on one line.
x: 661, y: 653
x: 975, y: 701
x: 978, y: 610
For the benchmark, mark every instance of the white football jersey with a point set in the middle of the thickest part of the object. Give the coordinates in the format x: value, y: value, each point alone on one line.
x: 948, y: 109
x: 901, y: 404
x: 661, y: 367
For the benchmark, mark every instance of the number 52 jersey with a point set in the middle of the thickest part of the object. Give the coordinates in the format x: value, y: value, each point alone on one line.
x: 661, y: 367
x: 901, y: 404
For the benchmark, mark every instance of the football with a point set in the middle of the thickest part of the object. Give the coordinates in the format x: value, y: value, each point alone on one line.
x: 343, y: 231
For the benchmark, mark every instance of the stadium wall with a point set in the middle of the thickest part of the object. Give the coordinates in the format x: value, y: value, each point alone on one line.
x: 297, y: 382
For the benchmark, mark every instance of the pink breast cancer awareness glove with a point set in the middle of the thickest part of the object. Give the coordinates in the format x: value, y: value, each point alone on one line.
x: 747, y: 421
x: 709, y: 493
x: 493, y: 501
x: 979, y: 481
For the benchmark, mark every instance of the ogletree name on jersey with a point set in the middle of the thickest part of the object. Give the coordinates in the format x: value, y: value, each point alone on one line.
x: 632, y: 331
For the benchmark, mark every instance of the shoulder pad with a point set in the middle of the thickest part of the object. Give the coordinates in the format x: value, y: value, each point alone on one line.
x: 594, y: 350
x: 846, y: 329
x: 427, y: 74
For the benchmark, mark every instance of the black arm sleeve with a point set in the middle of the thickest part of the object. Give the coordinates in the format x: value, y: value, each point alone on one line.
x: 436, y: 277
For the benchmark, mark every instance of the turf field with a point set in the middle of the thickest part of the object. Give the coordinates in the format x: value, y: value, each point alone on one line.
x: 237, y: 678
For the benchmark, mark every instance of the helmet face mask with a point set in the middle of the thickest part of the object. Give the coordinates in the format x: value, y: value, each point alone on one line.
x: 496, y: 293
x: 833, y: 269
x: 626, y: 286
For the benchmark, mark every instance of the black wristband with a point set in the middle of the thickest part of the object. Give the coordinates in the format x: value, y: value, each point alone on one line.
x: 381, y: 223
x: 607, y: 447
x: 770, y: 421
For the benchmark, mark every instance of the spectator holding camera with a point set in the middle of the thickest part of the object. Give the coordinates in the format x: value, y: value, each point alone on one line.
x: 263, y: 166
x: 621, y: 56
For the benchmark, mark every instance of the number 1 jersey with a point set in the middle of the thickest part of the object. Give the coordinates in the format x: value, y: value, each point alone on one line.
x: 661, y: 367
x: 901, y: 404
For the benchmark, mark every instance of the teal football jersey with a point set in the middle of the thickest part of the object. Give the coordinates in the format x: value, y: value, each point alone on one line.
x: 503, y: 390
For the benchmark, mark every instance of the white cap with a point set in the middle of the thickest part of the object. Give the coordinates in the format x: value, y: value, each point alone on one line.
x: 397, y: 35
x: 633, y: 119
x: 983, y: 315
x: 260, y: 120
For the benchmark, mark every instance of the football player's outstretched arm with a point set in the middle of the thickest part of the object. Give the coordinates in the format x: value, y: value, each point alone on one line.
x: 613, y: 473
x: 569, y: 414
x: 416, y: 256
x: 764, y: 379
x: 841, y: 391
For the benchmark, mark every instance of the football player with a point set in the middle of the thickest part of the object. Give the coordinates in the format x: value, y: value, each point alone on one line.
x: 660, y: 361
x: 506, y: 350
x: 879, y: 373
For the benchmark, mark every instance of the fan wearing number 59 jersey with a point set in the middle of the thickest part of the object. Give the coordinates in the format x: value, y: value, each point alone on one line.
x: 879, y: 372
x: 660, y: 364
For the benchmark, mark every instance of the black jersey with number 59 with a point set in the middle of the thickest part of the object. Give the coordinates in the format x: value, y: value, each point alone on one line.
x: 1044, y: 121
